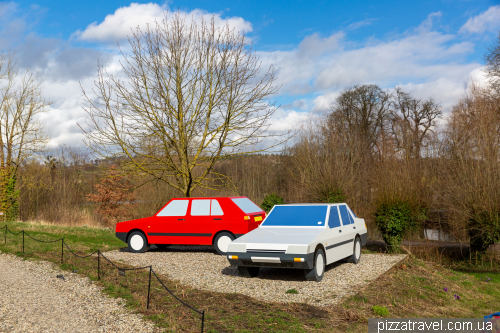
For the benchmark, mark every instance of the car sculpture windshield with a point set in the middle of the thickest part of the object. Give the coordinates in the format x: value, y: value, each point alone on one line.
x: 297, y: 216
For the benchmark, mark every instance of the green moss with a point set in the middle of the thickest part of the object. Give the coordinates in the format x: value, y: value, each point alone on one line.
x: 380, y: 311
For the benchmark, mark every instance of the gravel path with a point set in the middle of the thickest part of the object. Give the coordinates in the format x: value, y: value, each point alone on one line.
x: 33, y: 299
x: 201, y: 268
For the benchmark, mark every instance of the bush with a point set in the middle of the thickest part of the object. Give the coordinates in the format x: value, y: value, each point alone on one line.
x: 271, y: 200
x: 380, y: 311
x: 395, y: 219
x: 484, y: 230
x: 9, y: 203
x: 336, y: 196
x: 115, y: 197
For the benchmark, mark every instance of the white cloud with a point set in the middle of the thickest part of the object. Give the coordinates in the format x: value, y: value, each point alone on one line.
x: 478, y: 76
x: 13, y: 24
x: 295, y: 69
x: 360, y: 24
x: 321, y: 65
x: 324, y: 102
x: 320, y: 68
x: 285, y: 120
x: 427, y: 24
x: 117, y: 26
x: 298, y: 104
x: 488, y: 20
x: 415, y: 57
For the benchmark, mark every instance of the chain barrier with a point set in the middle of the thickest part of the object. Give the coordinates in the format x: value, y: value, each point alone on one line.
x: 99, y: 254
x: 73, y: 253
x: 6, y: 228
x: 183, y: 303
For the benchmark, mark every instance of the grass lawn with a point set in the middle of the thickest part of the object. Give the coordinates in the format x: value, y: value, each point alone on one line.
x: 413, y: 289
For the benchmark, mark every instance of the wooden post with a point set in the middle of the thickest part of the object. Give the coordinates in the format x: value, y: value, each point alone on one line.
x: 98, y: 265
x: 149, y: 286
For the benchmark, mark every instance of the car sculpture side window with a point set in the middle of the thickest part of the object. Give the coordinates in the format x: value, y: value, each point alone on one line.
x: 175, y: 208
x: 200, y: 207
x: 216, y: 209
x: 205, y: 207
x: 346, y: 218
x: 334, y: 220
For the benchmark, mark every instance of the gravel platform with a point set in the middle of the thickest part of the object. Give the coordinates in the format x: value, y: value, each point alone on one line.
x: 200, y: 267
x: 33, y: 299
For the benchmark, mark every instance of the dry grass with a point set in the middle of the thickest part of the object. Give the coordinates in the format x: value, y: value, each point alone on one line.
x: 416, y: 290
x: 86, y: 220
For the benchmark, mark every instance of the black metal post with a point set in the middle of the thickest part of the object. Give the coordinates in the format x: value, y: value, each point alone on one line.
x: 202, y: 320
x: 5, y: 234
x: 62, y: 251
x: 98, y: 265
x: 149, y: 286
x: 23, y: 241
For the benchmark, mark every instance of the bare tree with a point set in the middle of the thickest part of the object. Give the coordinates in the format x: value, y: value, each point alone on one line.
x: 21, y: 131
x: 21, y: 103
x: 473, y: 141
x: 413, y: 121
x: 361, y: 114
x: 324, y: 166
x: 193, y: 95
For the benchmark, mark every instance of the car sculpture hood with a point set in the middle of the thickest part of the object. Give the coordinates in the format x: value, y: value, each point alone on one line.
x: 290, y: 235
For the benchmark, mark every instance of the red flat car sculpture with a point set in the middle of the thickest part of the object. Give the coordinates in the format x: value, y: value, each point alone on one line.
x: 193, y: 221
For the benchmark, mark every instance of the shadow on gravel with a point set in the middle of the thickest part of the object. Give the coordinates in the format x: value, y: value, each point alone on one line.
x: 284, y: 274
x: 179, y: 248
x: 185, y: 248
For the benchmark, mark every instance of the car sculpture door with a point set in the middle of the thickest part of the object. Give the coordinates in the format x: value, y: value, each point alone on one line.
x: 169, y: 223
x: 348, y: 223
x: 333, y: 235
x: 176, y: 224
x: 217, y: 219
x: 206, y: 217
x: 339, y: 246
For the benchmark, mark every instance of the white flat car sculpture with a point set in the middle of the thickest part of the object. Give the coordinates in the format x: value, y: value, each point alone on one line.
x: 303, y: 236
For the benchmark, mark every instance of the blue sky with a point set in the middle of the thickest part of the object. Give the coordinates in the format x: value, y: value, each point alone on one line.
x: 430, y: 48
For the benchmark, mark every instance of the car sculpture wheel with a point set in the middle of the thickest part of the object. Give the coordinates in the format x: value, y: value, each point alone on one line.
x: 356, y: 256
x: 316, y: 274
x: 137, y: 242
x: 222, y: 241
